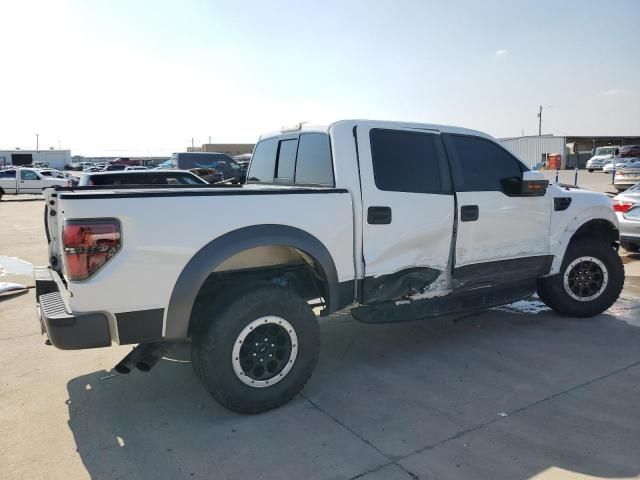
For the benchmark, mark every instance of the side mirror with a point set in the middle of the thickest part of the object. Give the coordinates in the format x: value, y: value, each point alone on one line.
x: 532, y: 184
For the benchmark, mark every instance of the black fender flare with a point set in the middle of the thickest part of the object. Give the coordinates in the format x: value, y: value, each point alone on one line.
x: 205, y: 261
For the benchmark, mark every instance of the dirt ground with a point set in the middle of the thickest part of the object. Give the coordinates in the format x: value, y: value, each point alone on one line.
x: 500, y: 395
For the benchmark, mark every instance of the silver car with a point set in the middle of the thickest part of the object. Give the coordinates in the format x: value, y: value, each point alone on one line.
x: 627, y: 176
x: 627, y: 208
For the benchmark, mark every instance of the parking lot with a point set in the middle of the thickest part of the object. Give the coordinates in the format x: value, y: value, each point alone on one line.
x: 513, y: 393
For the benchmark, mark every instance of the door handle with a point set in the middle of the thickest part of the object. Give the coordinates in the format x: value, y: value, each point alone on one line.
x: 469, y: 213
x: 379, y: 215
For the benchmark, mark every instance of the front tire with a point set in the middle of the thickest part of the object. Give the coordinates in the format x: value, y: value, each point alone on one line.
x: 590, y: 280
x: 257, y: 350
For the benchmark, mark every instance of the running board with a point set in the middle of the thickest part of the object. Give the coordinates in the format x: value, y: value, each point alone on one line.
x: 466, y: 301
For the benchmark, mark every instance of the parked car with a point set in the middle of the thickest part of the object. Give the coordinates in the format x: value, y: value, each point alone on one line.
x: 53, y: 173
x: 149, y: 177
x: 76, y: 166
x: 396, y: 221
x: 125, y: 161
x: 600, y: 156
x: 628, y: 176
x: 630, y: 151
x: 627, y: 208
x: 221, y: 162
x: 210, y: 175
x: 114, y: 167
x: 18, y: 181
x: 243, y: 160
x: 619, y: 164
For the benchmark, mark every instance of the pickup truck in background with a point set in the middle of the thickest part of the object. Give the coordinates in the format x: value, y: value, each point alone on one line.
x: 395, y: 221
x: 18, y: 181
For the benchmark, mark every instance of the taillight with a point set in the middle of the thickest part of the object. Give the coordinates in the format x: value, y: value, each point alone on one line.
x: 622, y: 206
x: 88, y: 245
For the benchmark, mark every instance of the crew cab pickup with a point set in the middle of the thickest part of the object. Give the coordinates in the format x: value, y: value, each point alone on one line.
x: 17, y: 181
x: 394, y: 221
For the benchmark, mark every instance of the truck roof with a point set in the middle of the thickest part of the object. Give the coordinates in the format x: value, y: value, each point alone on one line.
x: 313, y: 128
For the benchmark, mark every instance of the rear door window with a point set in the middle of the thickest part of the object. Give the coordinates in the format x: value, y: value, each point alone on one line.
x: 406, y: 161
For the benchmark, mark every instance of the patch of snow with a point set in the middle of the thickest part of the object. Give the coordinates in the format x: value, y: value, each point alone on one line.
x: 14, y: 266
x: 524, y: 307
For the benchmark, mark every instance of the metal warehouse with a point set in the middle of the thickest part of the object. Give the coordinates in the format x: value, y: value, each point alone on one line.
x: 533, y: 151
x: 54, y: 158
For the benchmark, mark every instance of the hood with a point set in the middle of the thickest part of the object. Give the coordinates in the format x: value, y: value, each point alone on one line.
x: 600, y: 158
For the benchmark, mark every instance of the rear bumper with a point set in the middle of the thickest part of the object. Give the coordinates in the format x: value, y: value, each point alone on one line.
x: 66, y: 330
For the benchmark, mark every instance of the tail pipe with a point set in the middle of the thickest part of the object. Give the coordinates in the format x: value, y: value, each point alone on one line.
x: 143, y: 357
x: 151, y: 356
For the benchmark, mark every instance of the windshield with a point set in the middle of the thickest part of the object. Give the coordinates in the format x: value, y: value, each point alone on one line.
x: 604, y: 151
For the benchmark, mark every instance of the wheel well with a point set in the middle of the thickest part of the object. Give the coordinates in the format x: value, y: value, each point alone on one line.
x: 598, y: 229
x: 285, y: 266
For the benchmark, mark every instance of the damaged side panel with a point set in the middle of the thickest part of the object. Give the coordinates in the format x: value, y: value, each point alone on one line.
x: 398, y: 285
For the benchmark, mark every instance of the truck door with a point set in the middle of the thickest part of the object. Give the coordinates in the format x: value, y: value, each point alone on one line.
x: 408, y: 211
x: 502, y: 236
x: 29, y: 182
x: 8, y: 181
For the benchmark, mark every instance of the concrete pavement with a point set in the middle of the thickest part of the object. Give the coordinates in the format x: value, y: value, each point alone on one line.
x: 501, y: 395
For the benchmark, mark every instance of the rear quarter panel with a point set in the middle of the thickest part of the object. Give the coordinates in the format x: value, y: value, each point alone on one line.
x: 160, y: 235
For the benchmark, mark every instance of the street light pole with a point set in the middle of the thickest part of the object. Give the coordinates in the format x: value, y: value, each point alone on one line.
x: 37, y: 142
x: 540, y: 121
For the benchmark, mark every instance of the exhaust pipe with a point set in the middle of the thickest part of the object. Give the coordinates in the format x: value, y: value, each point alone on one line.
x: 148, y: 359
x: 127, y: 364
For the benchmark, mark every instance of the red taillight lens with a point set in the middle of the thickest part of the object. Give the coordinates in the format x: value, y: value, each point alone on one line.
x: 622, y: 206
x: 88, y: 245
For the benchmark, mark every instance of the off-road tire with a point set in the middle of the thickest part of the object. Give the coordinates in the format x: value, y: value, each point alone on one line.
x: 218, y: 327
x: 552, y: 291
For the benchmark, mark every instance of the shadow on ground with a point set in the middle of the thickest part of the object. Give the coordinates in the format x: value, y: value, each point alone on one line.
x: 498, y: 395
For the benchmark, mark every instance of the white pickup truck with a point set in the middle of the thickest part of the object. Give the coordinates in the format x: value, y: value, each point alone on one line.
x: 20, y: 180
x: 397, y: 221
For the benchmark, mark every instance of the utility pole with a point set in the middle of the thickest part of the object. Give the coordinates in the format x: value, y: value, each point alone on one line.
x: 37, y: 142
x: 58, y: 144
x: 209, y: 139
x: 192, y: 145
x: 540, y: 121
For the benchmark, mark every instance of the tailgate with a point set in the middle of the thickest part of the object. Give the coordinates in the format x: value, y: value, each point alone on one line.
x: 51, y: 227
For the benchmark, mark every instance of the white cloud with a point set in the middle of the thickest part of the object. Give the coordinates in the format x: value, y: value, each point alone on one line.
x: 613, y: 91
x: 502, y: 51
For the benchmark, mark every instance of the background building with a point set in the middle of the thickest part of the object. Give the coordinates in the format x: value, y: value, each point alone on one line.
x: 230, y: 149
x: 54, y: 158
x: 574, y: 150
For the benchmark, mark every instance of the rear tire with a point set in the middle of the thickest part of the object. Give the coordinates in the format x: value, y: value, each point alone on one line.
x: 256, y: 350
x: 590, y: 280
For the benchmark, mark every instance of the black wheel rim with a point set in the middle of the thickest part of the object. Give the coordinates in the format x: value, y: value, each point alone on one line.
x: 265, y: 352
x: 585, y: 279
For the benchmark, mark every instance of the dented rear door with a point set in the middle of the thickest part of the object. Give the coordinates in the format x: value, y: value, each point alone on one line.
x: 408, y: 211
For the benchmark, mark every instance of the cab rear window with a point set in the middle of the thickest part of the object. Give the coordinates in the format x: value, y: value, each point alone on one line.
x: 303, y: 159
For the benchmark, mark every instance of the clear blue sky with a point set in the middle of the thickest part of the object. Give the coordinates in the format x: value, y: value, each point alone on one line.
x: 146, y: 76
